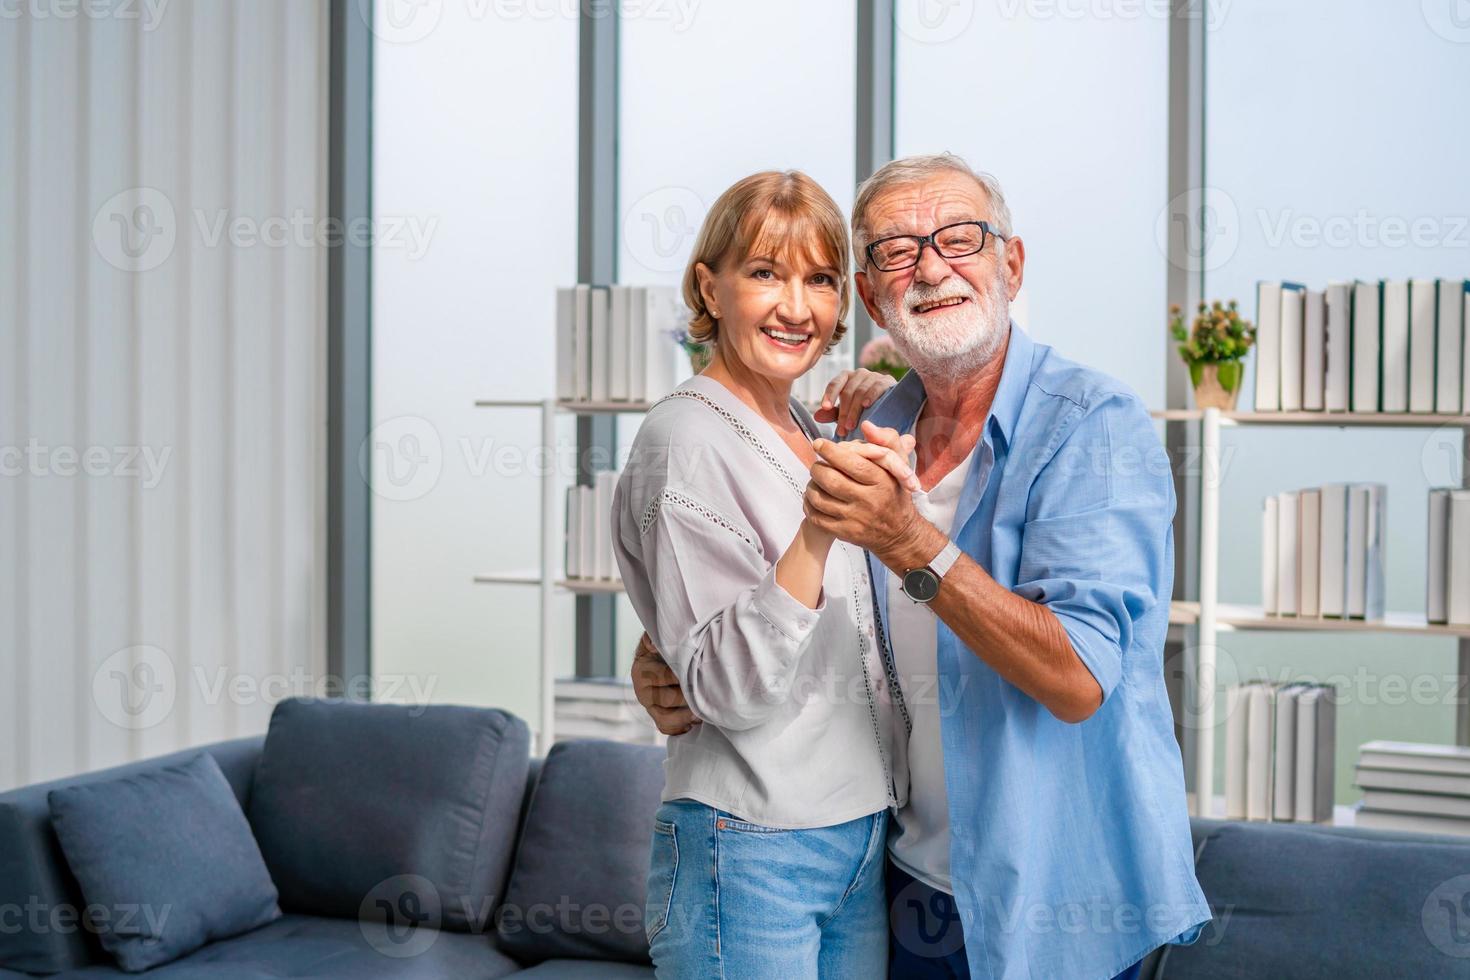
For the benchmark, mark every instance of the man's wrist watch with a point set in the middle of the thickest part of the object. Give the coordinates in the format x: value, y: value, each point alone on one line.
x: 922, y: 584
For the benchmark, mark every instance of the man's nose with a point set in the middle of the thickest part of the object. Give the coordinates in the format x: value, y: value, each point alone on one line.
x: 932, y: 268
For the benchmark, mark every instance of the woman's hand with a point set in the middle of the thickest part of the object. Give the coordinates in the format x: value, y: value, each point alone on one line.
x: 848, y: 394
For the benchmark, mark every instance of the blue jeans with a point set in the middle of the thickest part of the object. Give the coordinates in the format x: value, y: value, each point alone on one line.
x: 928, y: 942
x: 733, y: 900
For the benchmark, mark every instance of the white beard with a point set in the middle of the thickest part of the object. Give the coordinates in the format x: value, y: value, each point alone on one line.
x: 952, y: 344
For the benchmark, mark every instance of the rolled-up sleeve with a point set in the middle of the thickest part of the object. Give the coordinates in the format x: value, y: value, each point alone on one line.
x: 1095, y: 547
x: 710, y: 600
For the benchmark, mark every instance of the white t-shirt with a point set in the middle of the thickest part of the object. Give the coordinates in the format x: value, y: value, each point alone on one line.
x: 920, y: 844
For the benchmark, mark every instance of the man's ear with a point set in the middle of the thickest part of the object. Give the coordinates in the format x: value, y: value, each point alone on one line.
x: 1015, y: 259
x: 865, y: 293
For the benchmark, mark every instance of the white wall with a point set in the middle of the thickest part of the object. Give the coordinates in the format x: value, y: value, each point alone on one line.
x: 161, y: 376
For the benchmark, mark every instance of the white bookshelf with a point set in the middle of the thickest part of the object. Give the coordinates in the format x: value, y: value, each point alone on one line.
x: 1208, y: 617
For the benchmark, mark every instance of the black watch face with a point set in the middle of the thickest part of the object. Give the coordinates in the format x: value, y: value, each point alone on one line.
x: 921, y: 585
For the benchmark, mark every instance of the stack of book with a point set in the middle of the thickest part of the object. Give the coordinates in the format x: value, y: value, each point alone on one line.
x: 1392, y: 346
x: 589, y: 529
x: 619, y: 343
x: 1449, y: 557
x: 1280, y: 747
x: 598, y: 707
x: 1414, y: 787
x: 1322, y: 551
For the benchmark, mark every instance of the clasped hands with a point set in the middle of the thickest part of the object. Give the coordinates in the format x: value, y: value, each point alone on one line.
x: 861, y: 492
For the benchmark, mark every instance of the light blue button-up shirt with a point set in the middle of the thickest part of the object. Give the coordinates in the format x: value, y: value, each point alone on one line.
x: 1070, y: 852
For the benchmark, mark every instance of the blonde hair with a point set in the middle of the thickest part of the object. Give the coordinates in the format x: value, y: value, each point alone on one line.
x: 912, y: 170
x: 775, y: 211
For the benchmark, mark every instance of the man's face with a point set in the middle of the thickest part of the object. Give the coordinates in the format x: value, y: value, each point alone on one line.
x: 948, y: 317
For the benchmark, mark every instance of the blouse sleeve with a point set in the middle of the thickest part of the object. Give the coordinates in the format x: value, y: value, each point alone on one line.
x: 709, y: 599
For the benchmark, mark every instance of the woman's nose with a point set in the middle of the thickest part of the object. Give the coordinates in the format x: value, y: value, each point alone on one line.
x: 793, y: 306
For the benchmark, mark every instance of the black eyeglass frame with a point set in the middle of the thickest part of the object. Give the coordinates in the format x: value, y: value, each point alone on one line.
x: 985, y: 233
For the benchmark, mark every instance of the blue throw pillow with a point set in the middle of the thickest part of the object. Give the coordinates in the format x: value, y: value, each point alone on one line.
x: 165, y: 861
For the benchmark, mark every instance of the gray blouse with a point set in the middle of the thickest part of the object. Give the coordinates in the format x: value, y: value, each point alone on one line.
x: 798, y: 704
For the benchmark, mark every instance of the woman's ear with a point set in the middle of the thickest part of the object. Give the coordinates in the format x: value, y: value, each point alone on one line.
x: 706, y: 277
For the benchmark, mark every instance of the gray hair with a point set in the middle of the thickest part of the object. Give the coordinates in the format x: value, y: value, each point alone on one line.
x: 912, y: 170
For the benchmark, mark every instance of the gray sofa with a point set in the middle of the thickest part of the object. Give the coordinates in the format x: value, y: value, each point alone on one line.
x: 353, y: 805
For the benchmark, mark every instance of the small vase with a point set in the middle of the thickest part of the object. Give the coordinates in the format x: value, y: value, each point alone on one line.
x: 1216, y: 385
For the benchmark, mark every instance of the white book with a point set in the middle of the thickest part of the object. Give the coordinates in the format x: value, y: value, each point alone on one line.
x: 1369, y: 777
x: 566, y: 356
x: 1236, y: 738
x: 1465, y: 351
x: 1338, y: 357
x: 573, y: 558
x: 604, y: 482
x: 1283, y: 753
x: 1415, y: 757
x: 1270, y: 581
x: 600, y: 343
x: 1396, y: 345
x: 619, y: 341
x: 587, y: 542
x: 1316, y: 754
x: 1260, y: 716
x: 1416, y: 823
x: 582, y: 344
x: 1288, y: 561
x: 1437, y: 577
x: 1356, y: 592
x: 665, y: 362
x: 1375, y: 584
x: 1309, y: 552
x: 1457, y: 599
x: 1450, y: 347
x: 1423, y: 302
x: 1367, y: 347
x: 637, y: 344
x: 1332, y: 551
x: 1293, y: 314
x: 1314, y: 351
x: 1429, y: 804
x: 1268, y: 346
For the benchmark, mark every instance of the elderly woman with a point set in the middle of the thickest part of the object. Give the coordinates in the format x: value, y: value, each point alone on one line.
x: 768, y: 848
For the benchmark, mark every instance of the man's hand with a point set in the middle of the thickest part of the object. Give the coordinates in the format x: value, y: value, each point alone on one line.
x: 657, y: 689
x: 849, y: 394
x: 860, y: 492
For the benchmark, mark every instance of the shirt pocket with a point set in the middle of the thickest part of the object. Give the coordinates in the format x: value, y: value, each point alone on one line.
x: 662, y: 870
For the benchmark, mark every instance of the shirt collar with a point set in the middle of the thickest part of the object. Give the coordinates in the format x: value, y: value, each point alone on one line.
x: 900, y: 407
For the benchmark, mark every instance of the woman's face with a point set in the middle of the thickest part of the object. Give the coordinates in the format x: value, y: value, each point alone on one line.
x: 777, y: 310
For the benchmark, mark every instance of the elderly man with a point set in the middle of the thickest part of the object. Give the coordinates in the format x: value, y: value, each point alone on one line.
x: 1023, y: 599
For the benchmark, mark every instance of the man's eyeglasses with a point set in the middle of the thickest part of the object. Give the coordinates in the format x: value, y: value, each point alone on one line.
x: 952, y: 242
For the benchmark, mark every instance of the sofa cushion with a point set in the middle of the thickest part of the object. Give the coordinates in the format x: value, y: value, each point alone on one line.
x: 578, y: 884
x: 1303, y: 901
x: 34, y: 878
x: 165, y: 861
x: 585, y: 970
x: 351, y: 797
x: 307, y: 946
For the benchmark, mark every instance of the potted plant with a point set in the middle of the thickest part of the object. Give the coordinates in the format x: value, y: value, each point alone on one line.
x: 1214, y: 348
x: 881, y: 356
